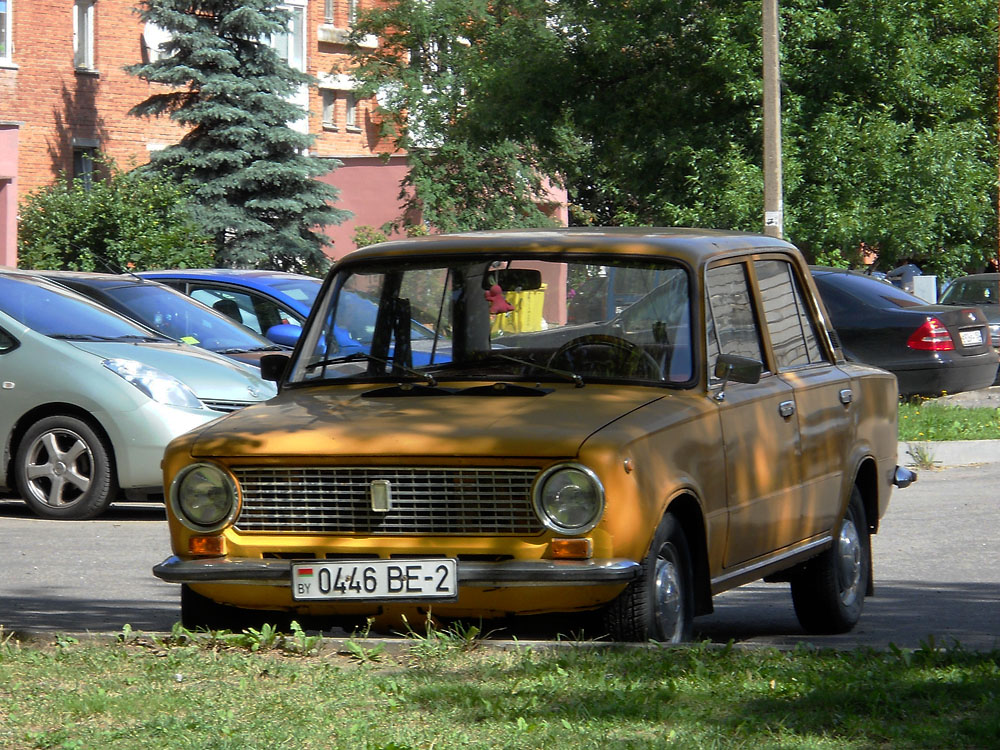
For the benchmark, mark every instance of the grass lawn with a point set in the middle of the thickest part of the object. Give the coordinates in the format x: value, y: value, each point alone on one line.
x: 923, y: 420
x: 450, y: 690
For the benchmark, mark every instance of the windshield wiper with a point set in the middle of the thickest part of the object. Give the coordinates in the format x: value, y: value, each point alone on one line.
x: 572, y: 376
x: 95, y: 337
x: 425, y: 376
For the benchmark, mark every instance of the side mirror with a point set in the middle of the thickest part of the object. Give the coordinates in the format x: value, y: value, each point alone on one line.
x: 739, y: 369
x: 285, y: 334
x: 273, y: 366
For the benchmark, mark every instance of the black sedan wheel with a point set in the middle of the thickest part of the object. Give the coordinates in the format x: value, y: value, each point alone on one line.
x: 63, y: 469
x: 829, y: 591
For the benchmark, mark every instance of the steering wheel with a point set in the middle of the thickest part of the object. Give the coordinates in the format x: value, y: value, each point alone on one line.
x: 608, y: 356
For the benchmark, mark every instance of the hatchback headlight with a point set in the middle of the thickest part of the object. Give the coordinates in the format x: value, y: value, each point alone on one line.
x: 203, y: 497
x: 156, y: 384
x: 569, y: 499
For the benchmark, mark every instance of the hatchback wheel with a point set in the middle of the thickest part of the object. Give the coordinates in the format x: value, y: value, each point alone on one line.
x: 63, y: 469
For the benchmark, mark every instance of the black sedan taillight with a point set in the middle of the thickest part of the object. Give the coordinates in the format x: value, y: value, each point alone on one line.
x: 932, y: 336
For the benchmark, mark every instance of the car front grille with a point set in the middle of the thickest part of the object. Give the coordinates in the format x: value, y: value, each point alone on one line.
x: 225, y: 406
x: 426, y: 500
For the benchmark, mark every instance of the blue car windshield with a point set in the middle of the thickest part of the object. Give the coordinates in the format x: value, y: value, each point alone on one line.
x: 176, y: 316
x: 302, y: 290
x: 52, y: 312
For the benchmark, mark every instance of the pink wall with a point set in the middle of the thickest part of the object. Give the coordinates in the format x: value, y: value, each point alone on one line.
x: 369, y: 189
x: 8, y: 193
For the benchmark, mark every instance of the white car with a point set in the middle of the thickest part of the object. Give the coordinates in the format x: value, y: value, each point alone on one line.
x: 89, y: 399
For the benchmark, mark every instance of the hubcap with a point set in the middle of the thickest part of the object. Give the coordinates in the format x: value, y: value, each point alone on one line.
x: 60, y: 468
x: 849, y: 562
x: 668, y: 603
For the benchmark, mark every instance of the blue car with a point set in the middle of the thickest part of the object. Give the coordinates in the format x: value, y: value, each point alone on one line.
x: 272, y: 303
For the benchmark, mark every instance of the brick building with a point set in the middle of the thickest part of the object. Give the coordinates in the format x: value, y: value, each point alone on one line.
x: 64, y: 95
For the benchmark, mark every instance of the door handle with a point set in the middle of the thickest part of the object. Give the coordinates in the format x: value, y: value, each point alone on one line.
x: 786, y: 409
x: 846, y: 396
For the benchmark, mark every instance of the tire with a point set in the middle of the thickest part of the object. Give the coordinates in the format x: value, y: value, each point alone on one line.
x: 201, y: 613
x: 659, y: 605
x: 63, y: 469
x: 829, y: 592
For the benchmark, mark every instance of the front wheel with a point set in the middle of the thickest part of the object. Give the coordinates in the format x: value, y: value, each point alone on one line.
x: 63, y: 469
x: 829, y: 591
x: 659, y: 605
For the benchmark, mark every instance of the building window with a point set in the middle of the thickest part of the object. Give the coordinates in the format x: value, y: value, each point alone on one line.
x: 291, y: 46
x: 329, y: 112
x: 5, y: 50
x: 352, y: 12
x: 83, y: 165
x: 351, y: 115
x: 83, y: 34
x: 328, y: 8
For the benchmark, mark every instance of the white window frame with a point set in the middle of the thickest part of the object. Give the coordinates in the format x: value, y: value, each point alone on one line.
x: 328, y: 99
x: 83, y: 34
x: 291, y: 45
x: 6, y: 27
x: 351, y: 112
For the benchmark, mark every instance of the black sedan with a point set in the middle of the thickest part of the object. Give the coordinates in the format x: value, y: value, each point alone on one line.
x: 168, y: 311
x: 932, y: 349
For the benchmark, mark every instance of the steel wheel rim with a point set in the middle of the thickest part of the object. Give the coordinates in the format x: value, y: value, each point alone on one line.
x: 849, y: 562
x: 59, y: 468
x: 668, y: 603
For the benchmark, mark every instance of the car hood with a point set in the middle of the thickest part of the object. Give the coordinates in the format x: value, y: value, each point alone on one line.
x: 345, y: 422
x: 211, y: 376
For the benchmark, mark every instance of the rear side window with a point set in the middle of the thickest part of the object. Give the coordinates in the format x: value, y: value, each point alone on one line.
x: 792, y: 332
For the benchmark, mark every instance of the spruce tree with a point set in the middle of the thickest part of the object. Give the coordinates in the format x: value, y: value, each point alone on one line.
x: 253, y: 183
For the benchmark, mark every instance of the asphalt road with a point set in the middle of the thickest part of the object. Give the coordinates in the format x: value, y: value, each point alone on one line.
x: 937, y: 573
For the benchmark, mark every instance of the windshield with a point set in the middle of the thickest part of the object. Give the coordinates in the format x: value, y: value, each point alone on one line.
x: 50, y: 311
x: 972, y: 292
x: 176, y: 316
x: 503, y: 317
x: 301, y: 289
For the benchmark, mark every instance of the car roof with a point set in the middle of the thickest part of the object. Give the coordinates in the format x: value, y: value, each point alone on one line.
x: 251, y: 275
x: 98, y: 279
x: 696, y: 246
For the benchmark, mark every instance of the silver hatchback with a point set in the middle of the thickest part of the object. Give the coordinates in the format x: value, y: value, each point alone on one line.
x: 89, y: 399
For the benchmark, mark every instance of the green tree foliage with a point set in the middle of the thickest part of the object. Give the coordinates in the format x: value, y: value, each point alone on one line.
x: 127, y: 221
x: 650, y: 111
x: 253, y: 181
x: 462, y: 175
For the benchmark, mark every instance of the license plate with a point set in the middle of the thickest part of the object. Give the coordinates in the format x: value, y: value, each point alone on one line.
x: 971, y: 338
x: 375, y: 579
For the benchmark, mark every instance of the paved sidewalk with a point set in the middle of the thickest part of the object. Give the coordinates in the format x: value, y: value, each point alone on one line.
x: 950, y: 453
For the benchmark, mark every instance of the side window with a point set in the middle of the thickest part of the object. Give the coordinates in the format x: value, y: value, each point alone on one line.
x: 792, y: 333
x: 236, y: 305
x: 731, y: 325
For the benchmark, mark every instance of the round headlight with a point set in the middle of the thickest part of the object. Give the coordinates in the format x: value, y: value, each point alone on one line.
x: 203, y: 497
x: 569, y: 499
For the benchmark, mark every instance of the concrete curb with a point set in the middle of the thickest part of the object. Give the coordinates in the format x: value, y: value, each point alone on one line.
x: 949, y: 453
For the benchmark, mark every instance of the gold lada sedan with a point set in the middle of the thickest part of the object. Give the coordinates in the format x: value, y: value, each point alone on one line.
x: 619, y: 422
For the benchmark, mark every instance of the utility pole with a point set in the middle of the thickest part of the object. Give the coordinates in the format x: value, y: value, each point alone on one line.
x: 774, y: 210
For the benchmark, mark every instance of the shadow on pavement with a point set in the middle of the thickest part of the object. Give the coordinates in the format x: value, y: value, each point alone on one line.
x: 125, y: 511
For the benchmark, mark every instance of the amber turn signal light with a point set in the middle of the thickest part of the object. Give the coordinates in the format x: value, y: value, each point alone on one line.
x: 207, y: 546
x: 571, y: 549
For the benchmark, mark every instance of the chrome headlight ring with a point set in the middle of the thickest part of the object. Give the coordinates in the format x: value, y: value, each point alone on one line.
x: 568, y: 498
x: 204, y: 497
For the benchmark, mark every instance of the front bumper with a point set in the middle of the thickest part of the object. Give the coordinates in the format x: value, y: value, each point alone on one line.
x: 510, y: 574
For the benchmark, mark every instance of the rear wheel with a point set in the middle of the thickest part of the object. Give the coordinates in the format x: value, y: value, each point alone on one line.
x: 63, y: 469
x: 659, y: 605
x: 829, y: 591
